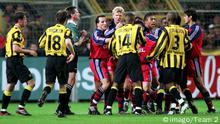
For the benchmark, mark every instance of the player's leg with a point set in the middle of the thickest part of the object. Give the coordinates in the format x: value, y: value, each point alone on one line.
x: 200, y: 85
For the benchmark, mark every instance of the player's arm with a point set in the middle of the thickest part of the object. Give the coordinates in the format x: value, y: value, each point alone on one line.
x: 82, y: 38
x: 187, y: 43
x: 100, y: 40
x: 160, y: 45
x: 142, y: 40
x: 194, y: 33
x: 16, y: 43
x: 69, y: 45
x: 42, y: 40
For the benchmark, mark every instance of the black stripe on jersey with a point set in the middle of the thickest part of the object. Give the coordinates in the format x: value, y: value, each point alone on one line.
x: 168, y: 60
x: 19, y: 36
x: 137, y: 38
x: 142, y: 40
x: 161, y: 42
x: 175, y: 61
x: 181, y: 59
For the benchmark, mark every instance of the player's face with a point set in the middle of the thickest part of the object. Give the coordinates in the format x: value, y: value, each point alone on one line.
x: 77, y: 14
x: 164, y: 22
x: 117, y: 17
x: 102, y: 25
x: 23, y: 22
x: 150, y: 22
x: 186, y: 19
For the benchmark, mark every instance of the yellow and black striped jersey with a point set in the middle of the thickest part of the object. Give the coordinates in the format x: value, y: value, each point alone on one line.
x: 111, y: 47
x: 53, y: 40
x: 171, y: 46
x: 127, y: 39
x: 14, y: 37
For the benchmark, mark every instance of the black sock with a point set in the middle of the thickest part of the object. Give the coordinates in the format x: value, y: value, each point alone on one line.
x: 97, y: 96
x: 62, y: 100
x: 111, y: 97
x: 120, y: 99
x: 167, y: 102
x: 175, y: 93
x: 106, y: 94
x: 5, y: 101
x: 159, y: 100
x: 45, y: 92
x: 138, y: 97
x: 68, y: 91
x: 188, y: 95
x: 25, y: 96
x: 126, y: 93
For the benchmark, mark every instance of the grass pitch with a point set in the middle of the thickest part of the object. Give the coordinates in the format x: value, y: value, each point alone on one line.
x: 45, y: 115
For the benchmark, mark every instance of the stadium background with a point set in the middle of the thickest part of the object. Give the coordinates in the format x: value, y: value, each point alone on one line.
x: 41, y: 14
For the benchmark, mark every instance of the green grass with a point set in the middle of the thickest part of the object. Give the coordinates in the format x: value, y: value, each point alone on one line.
x: 45, y: 115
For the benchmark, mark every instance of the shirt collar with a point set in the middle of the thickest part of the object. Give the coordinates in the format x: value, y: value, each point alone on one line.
x: 71, y: 21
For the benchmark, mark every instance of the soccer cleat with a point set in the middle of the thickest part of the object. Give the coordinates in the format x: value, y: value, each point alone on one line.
x: 42, y: 99
x: 125, y: 105
x: 151, y: 106
x: 108, y: 111
x: 159, y: 111
x: 211, y: 110
x: 183, y: 108
x: 172, y: 111
x: 146, y: 109
x: 138, y: 112
x: 194, y: 109
x: 68, y: 111
x: 22, y: 111
x: 4, y: 113
x: 60, y: 114
x: 93, y: 111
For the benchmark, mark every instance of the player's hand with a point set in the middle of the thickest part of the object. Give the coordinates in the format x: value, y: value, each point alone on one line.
x: 70, y: 58
x: 83, y: 33
x: 33, y: 53
x: 120, y: 24
x: 148, y: 58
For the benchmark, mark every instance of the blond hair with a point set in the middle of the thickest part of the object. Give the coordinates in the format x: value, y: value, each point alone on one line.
x: 118, y: 9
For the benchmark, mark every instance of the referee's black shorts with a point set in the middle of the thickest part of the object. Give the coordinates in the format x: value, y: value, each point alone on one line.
x: 128, y: 64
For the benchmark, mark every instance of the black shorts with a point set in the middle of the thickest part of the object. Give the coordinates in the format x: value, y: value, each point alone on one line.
x: 72, y: 66
x: 128, y: 64
x: 16, y: 70
x: 168, y: 75
x: 56, y: 67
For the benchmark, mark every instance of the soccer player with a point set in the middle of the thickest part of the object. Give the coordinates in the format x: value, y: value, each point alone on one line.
x: 193, y: 62
x: 117, y: 22
x: 170, y: 48
x: 15, y: 68
x: 99, y: 55
x: 126, y: 41
x: 55, y: 40
x: 73, y: 16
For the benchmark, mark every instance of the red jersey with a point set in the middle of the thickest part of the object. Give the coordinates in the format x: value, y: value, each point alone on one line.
x: 98, y: 47
x: 196, y: 37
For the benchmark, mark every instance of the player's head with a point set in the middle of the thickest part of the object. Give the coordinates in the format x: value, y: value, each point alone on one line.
x: 138, y: 20
x: 61, y: 16
x: 173, y: 18
x: 20, y: 18
x: 163, y: 21
x: 129, y: 18
x: 117, y: 14
x: 73, y: 13
x: 150, y: 20
x: 101, y: 22
x: 190, y: 15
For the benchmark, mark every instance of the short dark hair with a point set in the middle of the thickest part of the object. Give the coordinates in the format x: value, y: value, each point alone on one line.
x: 70, y: 10
x: 130, y: 18
x: 61, y: 16
x: 174, y: 18
x: 191, y: 12
x: 138, y: 20
x: 97, y: 18
x: 19, y: 15
x: 148, y: 15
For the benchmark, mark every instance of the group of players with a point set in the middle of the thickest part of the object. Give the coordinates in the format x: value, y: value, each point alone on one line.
x: 130, y: 60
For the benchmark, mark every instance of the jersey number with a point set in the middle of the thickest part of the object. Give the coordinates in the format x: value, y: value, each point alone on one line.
x: 176, y: 40
x: 54, y: 42
x: 126, y: 40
